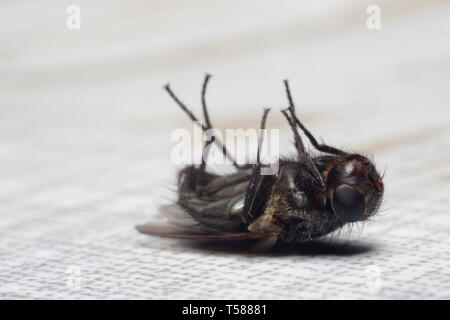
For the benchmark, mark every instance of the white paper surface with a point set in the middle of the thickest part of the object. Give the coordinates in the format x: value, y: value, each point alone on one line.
x: 85, y: 143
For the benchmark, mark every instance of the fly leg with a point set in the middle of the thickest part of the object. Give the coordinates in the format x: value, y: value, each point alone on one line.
x: 318, y: 146
x: 194, y: 118
x: 208, y: 125
x: 214, y: 185
x: 260, y: 186
x: 200, y: 185
x: 302, y: 154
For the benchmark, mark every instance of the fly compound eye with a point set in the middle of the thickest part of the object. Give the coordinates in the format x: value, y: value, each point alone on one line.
x: 348, y: 203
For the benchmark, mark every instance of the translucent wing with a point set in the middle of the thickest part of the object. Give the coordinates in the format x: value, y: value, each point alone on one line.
x: 180, y: 225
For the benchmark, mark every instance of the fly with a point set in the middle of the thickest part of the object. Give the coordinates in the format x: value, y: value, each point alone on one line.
x: 308, y: 197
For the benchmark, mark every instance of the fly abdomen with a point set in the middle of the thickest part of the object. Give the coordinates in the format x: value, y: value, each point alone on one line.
x: 222, y: 209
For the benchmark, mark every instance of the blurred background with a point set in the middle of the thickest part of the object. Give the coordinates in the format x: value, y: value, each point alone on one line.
x: 85, y: 126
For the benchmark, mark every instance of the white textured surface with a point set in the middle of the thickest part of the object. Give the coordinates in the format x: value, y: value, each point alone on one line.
x: 85, y: 142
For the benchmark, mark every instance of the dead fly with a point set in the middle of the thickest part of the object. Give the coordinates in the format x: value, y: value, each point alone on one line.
x: 308, y: 197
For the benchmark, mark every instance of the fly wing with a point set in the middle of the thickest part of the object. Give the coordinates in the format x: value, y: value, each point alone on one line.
x: 180, y: 225
x: 173, y: 231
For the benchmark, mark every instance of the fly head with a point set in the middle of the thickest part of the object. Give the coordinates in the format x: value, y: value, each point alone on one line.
x: 355, y: 189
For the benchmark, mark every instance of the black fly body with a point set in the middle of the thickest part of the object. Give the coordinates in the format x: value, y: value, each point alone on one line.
x: 308, y: 197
